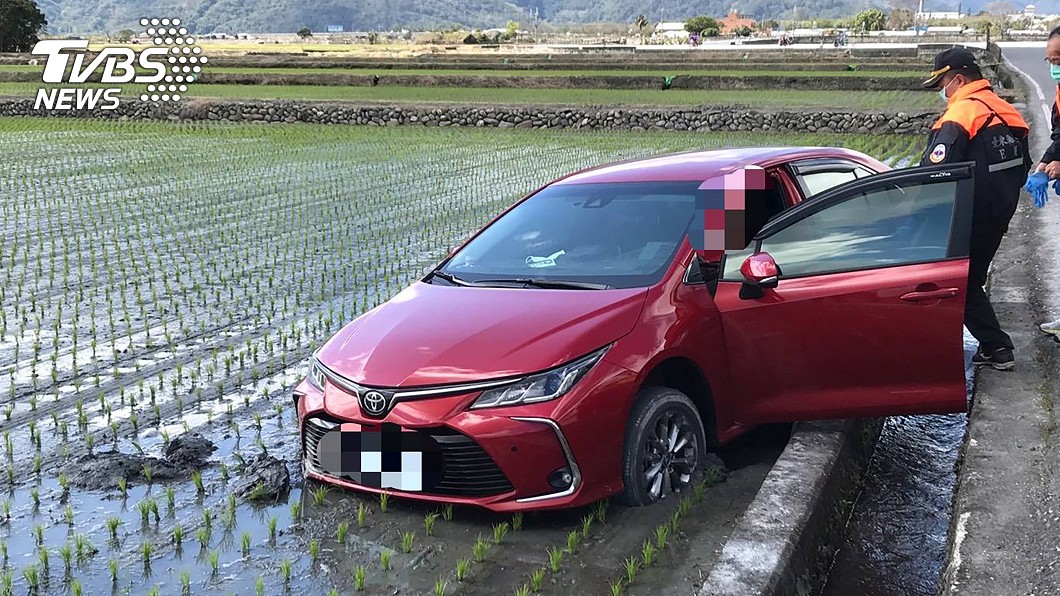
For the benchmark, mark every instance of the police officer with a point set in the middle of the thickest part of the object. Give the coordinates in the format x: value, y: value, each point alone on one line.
x: 979, y: 126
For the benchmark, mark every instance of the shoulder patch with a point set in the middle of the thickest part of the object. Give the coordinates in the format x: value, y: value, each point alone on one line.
x: 938, y: 154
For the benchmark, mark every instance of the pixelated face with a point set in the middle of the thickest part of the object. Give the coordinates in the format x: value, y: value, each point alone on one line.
x: 381, y: 456
x: 721, y: 219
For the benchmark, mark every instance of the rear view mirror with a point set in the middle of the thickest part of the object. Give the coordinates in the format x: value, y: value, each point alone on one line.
x: 760, y: 271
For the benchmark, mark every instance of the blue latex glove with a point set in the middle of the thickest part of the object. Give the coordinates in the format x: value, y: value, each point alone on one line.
x: 1038, y: 185
x: 1056, y: 189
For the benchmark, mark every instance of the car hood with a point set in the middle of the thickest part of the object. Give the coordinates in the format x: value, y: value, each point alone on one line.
x: 433, y: 335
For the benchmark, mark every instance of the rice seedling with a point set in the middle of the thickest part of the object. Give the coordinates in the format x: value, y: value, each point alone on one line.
x: 632, y: 566
x: 384, y: 560
x: 537, y: 578
x: 245, y: 543
x: 296, y: 510
x: 662, y: 533
x: 675, y: 521
x: 203, y: 536
x: 75, y: 588
x: 440, y: 586
x: 359, y: 574
x: 480, y: 548
x: 573, y: 539
x: 555, y: 558
x: 32, y: 577
x: 272, y: 527
x: 123, y: 487
x: 600, y: 510
x: 428, y: 522
x: 362, y: 513
x: 523, y: 590
x: 215, y: 558
x: 616, y: 587
x: 42, y: 558
x: 148, y: 474
x: 320, y: 493
x: 314, y: 550
x: 462, y: 567
x: 499, y: 532
x: 38, y: 533
x: 407, y: 540
x: 384, y: 502
x: 207, y: 519
x: 341, y: 531
x: 145, y: 551
x: 196, y: 477
x: 587, y: 525
x: 285, y: 570
x: 517, y: 521
x: 684, y: 506
x: 647, y: 553
x: 178, y: 535
x: 259, y: 587
x: 447, y: 512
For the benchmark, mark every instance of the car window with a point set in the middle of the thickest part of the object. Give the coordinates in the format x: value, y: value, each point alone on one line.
x: 620, y: 234
x: 889, y: 226
x: 818, y: 182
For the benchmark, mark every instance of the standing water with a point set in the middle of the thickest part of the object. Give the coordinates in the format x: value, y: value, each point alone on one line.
x: 895, y: 542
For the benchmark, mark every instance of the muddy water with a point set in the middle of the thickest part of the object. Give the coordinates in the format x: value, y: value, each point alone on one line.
x: 895, y: 542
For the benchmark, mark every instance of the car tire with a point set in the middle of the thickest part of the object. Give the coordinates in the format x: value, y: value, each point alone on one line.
x: 653, y: 463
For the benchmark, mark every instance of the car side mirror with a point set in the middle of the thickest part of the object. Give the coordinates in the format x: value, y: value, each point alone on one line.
x: 760, y: 272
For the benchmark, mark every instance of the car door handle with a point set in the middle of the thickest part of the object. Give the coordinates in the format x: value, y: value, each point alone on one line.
x: 931, y: 295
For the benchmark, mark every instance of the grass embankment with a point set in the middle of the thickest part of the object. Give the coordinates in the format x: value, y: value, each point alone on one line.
x: 770, y: 99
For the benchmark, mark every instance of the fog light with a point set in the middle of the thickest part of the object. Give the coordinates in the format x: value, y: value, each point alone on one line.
x: 561, y: 478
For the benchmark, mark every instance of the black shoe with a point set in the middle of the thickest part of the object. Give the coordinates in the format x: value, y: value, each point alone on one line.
x: 1001, y: 359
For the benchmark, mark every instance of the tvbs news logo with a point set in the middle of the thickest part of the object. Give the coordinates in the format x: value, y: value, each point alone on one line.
x: 166, y: 69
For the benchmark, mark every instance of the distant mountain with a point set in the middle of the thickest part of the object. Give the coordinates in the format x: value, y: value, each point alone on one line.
x: 287, y: 16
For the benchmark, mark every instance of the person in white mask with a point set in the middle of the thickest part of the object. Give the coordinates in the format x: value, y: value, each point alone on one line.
x: 1050, y: 161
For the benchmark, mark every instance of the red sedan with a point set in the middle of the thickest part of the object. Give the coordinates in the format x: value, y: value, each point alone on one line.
x: 578, y: 347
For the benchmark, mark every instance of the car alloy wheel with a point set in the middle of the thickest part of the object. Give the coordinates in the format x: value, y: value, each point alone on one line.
x: 665, y: 446
x: 670, y: 454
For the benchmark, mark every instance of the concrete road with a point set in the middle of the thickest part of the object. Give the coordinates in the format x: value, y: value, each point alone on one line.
x: 1007, y: 510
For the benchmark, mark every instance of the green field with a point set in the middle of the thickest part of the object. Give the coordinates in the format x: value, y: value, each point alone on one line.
x: 778, y: 98
x: 163, y: 278
x: 699, y: 72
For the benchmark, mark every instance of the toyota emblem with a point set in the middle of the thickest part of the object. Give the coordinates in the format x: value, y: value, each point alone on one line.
x: 374, y: 403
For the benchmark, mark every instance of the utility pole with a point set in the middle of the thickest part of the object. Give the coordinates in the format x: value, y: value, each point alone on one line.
x: 916, y: 19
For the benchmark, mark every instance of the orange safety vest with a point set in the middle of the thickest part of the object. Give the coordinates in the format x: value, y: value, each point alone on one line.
x: 973, y: 115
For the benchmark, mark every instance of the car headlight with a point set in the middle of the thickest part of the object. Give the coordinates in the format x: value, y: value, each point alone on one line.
x: 541, y: 387
x: 316, y: 374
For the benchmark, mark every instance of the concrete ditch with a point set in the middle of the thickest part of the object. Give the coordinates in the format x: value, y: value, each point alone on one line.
x: 784, y: 543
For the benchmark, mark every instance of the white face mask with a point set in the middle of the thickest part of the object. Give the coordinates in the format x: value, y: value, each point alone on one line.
x: 942, y: 92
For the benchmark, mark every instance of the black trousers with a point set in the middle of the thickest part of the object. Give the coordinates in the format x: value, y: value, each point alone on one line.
x: 989, y: 226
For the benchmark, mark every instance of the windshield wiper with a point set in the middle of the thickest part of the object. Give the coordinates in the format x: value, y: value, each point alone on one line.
x: 456, y: 281
x: 545, y: 283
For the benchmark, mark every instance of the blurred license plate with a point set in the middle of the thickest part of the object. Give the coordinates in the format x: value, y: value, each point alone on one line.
x: 381, y: 456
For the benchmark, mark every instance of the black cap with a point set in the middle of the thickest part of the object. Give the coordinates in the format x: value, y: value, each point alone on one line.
x: 955, y: 59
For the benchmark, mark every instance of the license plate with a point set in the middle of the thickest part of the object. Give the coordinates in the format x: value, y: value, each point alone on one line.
x: 381, y: 456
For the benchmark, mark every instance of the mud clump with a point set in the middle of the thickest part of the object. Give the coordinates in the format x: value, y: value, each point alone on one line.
x: 189, y: 451
x: 265, y: 478
x: 102, y: 470
x: 96, y: 471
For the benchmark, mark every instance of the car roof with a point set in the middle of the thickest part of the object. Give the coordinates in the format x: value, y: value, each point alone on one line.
x: 701, y: 165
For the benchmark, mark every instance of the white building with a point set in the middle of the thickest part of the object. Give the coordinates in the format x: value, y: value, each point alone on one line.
x: 671, y: 30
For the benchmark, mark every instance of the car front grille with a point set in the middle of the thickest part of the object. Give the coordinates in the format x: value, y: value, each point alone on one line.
x: 467, y: 470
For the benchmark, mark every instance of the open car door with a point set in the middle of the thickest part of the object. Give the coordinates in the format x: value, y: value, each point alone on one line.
x: 851, y: 304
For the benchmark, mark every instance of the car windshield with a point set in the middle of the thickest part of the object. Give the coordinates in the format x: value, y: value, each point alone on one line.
x: 623, y: 235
